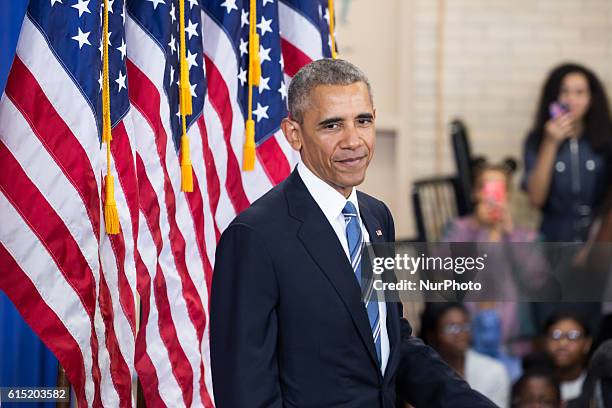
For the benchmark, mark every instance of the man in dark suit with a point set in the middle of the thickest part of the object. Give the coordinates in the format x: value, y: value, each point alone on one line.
x: 288, y: 325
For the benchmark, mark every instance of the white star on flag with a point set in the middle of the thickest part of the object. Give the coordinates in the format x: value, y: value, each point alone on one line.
x: 192, y: 90
x: 264, y: 54
x: 192, y: 3
x: 282, y: 63
x: 326, y: 16
x: 82, y: 6
x: 229, y: 5
x: 172, y: 44
x: 100, y: 81
x: 243, y: 47
x: 171, y: 74
x: 121, y: 81
x: 109, y: 42
x: 191, y: 29
x: 263, y: 84
x: 157, y: 3
x: 110, y: 6
x: 191, y: 59
x: 267, y: 1
x: 264, y: 26
x: 244, y: 18
x: 56, y: 1
x: 242, y: 76
x: 122, y: 49
x: 82, y: 38
x: 283, y: 90
x: 173, y: 13
x: 261, y: 112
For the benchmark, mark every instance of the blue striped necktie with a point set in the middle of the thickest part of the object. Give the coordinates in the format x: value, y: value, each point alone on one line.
x: 354, y: 239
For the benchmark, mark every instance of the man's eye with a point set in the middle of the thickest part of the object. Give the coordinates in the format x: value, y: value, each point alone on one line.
x: 331, y: 126
x: 364, y: 121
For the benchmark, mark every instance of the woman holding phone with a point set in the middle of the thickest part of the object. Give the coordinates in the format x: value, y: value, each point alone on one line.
x: 566, y: 174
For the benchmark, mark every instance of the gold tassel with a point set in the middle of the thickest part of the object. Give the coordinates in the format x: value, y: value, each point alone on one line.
x: 185, y: 91
x: 186, y: 107
x: 248, y: 151
x: 186, y: 169
x: 111, y: 215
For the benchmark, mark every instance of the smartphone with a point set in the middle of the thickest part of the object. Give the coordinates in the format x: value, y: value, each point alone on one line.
x: 557, y: 109
x: 494, y: 195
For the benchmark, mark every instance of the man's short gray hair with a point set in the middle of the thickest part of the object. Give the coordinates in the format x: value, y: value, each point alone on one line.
x: 325, y: 71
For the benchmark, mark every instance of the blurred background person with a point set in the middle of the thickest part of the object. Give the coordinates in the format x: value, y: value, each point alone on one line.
x: 536, y: 389
x: 566, y: 163
x: 492, y: 221
x: 565, y: 153
x: 568, y: 342
x: 446, y: 327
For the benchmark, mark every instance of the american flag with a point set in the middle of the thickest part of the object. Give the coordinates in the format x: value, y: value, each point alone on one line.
x: 174, y: 267
x: 72, y: 282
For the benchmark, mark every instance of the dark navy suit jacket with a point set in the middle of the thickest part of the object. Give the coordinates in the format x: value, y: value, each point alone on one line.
x: 288, y: 327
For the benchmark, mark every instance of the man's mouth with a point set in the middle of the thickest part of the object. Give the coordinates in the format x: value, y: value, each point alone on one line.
x: 351, y: 160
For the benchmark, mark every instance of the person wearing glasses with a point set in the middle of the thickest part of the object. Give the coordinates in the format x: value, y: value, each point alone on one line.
x: 568, y: 342
x: 446, y: 327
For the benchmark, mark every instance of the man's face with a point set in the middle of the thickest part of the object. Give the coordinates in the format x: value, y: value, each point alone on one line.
x: 567, y: 344
x: 337, y: 135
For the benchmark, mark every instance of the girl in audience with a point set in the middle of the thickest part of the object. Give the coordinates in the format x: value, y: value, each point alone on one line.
x: 568, y: 342
x: 446, y: 328
x: 492, y: 219
x: 566, y: 173
x: 514, y: 265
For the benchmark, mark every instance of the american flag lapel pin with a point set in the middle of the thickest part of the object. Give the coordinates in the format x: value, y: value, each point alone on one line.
x: 379, y: 232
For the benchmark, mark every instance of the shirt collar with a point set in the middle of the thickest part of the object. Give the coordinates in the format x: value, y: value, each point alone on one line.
x: 327, y: 198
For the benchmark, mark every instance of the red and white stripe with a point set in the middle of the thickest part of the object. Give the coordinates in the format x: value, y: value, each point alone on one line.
x: 300, y: 39
x: 73, y: 285
x: 174, y: 268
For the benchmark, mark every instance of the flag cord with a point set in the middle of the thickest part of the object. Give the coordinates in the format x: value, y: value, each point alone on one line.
x: 248, y: 157
x: 111, y: 215
x: 186, y: 105
x: 330, y: 6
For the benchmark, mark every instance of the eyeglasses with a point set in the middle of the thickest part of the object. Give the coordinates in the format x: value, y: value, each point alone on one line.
x: 571, y: 335
x: 455, y: 328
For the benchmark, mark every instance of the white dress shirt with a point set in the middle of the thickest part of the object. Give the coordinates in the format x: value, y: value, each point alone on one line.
x: 331, y: 203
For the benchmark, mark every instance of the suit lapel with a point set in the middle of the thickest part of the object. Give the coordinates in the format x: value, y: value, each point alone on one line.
x: 321, y: 242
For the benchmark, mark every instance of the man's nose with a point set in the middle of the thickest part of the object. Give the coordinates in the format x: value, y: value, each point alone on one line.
x: 351, y: 137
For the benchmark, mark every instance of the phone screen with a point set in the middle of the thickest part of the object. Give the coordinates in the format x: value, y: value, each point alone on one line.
x: 495, y: 197
x: 495, y: 191
x: 557, y: 109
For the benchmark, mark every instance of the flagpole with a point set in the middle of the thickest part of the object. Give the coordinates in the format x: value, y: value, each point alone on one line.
x: 62, y: 382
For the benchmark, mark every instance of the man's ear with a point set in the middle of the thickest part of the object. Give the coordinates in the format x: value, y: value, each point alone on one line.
x: 291, y: 129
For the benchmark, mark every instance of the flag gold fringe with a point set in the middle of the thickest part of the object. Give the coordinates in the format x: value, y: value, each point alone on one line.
x: 111, y: 215
x: 186, y: 106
